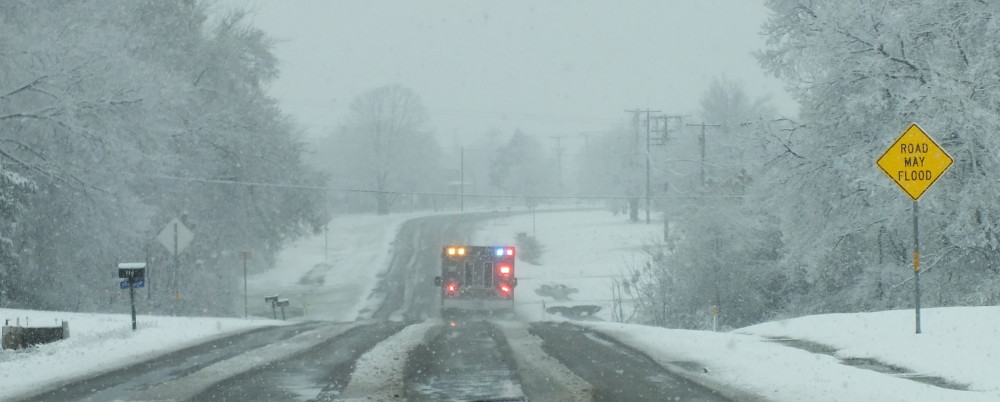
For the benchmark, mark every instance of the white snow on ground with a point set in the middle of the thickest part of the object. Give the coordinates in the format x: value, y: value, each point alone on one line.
x: 100, y: 343
x: 783, y: 373
x: 958, y: 344
x: 379, y: 373
x: 340, y: 268
x: 584, y: 249
x: 582, y: 252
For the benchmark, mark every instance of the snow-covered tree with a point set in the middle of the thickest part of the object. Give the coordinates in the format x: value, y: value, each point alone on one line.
x: 125, y: 114
x: 385, y: 146
x: 521, y: 167
x: 733, y: 145
x: 721, y: 251
x: 863, y: 71
x: 14, y: 191
x: 613, y: 164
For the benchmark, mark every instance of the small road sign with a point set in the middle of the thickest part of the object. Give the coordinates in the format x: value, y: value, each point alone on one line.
x: 914, y: 161
x: 139, y: 283
x: 175, y: 230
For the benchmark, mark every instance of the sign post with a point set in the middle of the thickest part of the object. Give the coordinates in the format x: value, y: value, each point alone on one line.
x: 915, y: 162
x: 175, y: 237
x: 274, y: 304
x: 245, y: 254
x: 715, y: 318
x: 132, y: 272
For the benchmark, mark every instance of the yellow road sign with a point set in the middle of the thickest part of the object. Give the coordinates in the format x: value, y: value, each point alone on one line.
x: 914, y: 161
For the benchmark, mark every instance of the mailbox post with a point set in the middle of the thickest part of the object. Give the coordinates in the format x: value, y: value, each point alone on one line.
x: 282, y: 303
x: 134, y: 273
x: 274, y: 304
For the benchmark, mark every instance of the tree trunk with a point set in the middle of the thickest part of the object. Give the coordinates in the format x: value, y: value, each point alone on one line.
x: 633, y: 209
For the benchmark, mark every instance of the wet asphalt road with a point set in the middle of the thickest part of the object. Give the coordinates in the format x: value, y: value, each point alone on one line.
x: 317, y: 374
x: 616, y: 372
x: 124, y: 384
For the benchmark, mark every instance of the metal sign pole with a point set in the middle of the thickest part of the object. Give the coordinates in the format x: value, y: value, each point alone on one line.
x: 915, y: 162
x: 177, y: 267
x: 131, y: 295
x: 175, y: 237
x: 134, y: 274
x: 246, y: 301
x: 916, y: 263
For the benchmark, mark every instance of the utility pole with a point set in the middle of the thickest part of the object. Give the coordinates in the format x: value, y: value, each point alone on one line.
x: 461, y: 182
x: 559, y: 150
x: 647, y: 112
x: 666, y: 136
x: 701, y: 143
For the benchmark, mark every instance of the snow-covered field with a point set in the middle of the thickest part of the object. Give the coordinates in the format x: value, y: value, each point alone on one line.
x: 583, y: 251
x: 330, y: 276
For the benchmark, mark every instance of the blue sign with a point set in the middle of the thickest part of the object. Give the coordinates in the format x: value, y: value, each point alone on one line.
x: 139, y: 283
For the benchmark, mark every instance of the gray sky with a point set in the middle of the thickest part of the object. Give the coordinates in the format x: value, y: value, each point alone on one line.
x: 551, y: 68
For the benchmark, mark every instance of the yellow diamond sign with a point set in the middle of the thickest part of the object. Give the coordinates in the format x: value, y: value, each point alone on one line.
x: 914, y: 161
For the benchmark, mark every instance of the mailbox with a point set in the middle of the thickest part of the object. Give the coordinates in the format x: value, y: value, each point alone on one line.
x: 132, y: 270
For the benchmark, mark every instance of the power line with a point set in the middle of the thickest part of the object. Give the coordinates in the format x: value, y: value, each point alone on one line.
x: 430, y: 193
x: 471, y: 113
x: 666, y: 126
x: 463, y: 134
x: 523, y: 153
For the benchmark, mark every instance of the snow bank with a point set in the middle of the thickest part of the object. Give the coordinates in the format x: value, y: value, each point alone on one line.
x: 100, y: 343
